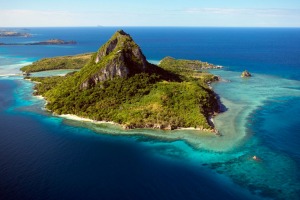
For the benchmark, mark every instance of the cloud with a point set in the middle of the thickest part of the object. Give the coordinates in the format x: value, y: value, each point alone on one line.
x: 42, y: 13
x: 46, y: 18
x: 244, y: 11
x: 19, y: 17
x: 157, y: 17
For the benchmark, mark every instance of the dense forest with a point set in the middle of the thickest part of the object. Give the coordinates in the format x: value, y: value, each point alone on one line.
x: 61, y: 62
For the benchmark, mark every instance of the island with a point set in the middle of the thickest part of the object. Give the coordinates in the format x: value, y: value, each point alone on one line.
x: 53, y: 42
x: 119, y: 85
x: 13, y: 34
x: 245, y: 74
x: 47, y: 42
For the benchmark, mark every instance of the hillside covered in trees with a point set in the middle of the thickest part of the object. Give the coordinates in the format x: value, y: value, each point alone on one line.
x: 118, y: 84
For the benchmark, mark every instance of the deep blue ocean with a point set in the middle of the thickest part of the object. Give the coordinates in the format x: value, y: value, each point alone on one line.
x: 47, y: 157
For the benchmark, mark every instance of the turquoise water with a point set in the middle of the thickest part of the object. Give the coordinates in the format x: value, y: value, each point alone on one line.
x: 51, y: 157
x: 247, y: 97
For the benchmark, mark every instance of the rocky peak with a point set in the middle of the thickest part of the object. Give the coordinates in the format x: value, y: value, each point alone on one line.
x: 119, y: 57
x: 121, y: 43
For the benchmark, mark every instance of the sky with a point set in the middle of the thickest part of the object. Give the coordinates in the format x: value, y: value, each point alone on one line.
x: 199, y: 13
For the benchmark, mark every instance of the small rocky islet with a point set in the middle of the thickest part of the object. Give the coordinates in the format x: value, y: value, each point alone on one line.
x: 245, y: 74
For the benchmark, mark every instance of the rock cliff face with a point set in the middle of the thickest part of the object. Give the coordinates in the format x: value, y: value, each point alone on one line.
x: 119, y: 57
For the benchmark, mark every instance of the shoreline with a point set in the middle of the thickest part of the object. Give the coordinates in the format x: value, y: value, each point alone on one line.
x: 77, y: 118
x: 230, y: 123
x: 208, y: 139
x: 124, y: 127
x: 193, y: 136
x: 210, y: 119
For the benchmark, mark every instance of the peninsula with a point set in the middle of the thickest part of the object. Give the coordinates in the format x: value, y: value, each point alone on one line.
x: 60, y: 62
x: 47, y: 42
x: 53, y: 42
x: 13, y: 34
x: 118, y: 84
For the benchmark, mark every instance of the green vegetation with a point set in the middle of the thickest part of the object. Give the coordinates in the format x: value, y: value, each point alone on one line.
x: 119, y: 85
x: 189, y: 69
x: 181, y: 65
x: 61, y: 62
x: 43, y: 84
x: 139, y: 101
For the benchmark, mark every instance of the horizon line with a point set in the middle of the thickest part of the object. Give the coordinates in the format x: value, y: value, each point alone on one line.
x: 101, y: 26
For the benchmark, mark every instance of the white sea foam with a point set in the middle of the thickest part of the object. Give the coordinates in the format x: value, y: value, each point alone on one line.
x: 8, y: 69
x: 155, y: 62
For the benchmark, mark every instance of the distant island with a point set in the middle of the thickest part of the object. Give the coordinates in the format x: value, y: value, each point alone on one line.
x: 47, y: 42
x: 117, y: 84
x: 13, y: 34
x: 53, y: 42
